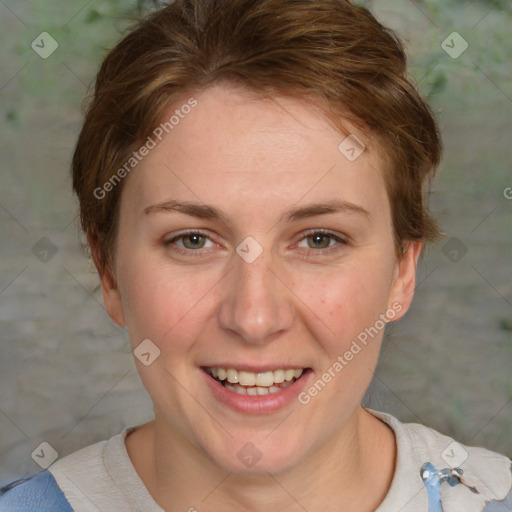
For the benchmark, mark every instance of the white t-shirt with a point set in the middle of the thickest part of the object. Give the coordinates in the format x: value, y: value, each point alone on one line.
x: 102, y: 477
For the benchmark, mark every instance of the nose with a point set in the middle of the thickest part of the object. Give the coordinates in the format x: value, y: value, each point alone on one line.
x: 257, y: 304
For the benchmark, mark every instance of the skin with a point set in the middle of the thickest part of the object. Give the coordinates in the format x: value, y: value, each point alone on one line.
x: 296, y: 304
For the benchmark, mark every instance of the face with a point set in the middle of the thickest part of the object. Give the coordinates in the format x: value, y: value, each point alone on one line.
x: 250, y: 246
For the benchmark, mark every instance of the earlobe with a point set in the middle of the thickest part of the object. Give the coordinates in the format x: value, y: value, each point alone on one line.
x: 112, y: 298
x: 402, y: 290
x: 109, y: 288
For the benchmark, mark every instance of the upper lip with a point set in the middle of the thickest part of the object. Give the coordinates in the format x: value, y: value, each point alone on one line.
x: 260, y: 368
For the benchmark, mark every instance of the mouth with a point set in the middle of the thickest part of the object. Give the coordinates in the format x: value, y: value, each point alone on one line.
x: 261, y: 383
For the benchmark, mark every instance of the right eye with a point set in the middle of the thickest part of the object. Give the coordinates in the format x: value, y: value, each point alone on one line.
x: 189, y: 242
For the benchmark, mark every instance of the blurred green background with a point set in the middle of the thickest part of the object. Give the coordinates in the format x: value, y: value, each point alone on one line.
x: 66, y: 372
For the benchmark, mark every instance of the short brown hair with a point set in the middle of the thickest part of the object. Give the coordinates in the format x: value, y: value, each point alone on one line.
x: 329, y: 52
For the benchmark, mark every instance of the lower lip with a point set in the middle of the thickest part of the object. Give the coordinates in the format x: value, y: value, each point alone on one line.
x: 259, y: 404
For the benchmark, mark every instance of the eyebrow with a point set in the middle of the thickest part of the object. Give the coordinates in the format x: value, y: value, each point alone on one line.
x: 204, y: 211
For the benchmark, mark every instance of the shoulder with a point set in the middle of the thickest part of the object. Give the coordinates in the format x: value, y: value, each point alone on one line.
x: 102, y: 470
x: 64, y: 486
x: 459, y: 477
x: 68, y: 483
x: 39, y: 492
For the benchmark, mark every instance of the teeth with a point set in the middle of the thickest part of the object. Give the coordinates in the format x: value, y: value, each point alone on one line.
x: 289, y: 374
x: 263, y: 380
x: 232, y: 376
x: 278, y: 376
x: 247, y: 378
x: 256, y: 390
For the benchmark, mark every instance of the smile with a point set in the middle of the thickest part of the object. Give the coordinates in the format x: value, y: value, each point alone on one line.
x: 254, y: 383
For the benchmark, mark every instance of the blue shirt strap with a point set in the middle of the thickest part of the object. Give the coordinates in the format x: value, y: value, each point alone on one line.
x: 39, y: 492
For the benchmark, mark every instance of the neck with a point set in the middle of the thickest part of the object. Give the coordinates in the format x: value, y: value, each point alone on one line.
x: 336, y: 477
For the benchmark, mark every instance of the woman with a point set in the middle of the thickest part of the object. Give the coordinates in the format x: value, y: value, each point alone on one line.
x: 250, y: 179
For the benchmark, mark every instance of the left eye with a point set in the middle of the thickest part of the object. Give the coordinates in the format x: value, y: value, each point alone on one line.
x: 320, y: 240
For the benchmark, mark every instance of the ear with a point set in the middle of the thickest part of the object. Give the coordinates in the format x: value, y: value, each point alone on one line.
x: 404, y: 283
x: 109, y: 289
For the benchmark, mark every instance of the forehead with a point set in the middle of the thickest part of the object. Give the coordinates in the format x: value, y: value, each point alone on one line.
x: 234, y: 148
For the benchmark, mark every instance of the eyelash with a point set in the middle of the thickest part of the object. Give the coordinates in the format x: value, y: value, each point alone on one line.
x: 325, y: 251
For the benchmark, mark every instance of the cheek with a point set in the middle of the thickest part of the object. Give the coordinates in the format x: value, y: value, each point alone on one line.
x: 348, y: 299
x: 164, y: 304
